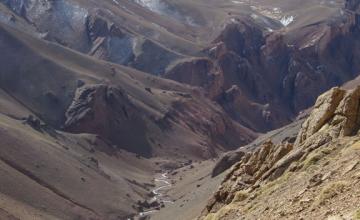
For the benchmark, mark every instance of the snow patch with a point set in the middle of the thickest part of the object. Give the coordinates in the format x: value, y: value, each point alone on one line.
x: 286, y: 20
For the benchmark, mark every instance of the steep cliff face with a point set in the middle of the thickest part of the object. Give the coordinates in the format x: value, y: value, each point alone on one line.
x: 315, y: 177
x: 281, y: 72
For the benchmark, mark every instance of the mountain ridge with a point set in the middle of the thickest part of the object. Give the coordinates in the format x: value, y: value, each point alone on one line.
x: 98, y: 99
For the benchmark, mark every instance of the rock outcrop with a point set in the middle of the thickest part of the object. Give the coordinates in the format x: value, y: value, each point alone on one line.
x: 335, y: 117
x: 107, y: 111
x: 199, y: 72
x: 247, y: 172
x: 335, y: 113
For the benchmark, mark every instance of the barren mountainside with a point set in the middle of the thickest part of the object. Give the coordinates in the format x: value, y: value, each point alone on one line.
x: 262, y: 62
x: 141, y: 109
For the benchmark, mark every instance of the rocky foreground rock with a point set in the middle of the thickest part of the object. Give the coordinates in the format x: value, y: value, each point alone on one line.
x: 317, y: 177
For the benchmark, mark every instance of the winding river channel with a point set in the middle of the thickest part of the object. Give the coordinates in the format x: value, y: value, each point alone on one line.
x: 163, y: 182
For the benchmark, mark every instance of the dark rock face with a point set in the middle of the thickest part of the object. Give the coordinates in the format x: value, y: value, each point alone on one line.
x: 107, y: 111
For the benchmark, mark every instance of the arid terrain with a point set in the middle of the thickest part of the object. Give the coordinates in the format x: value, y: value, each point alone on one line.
x: 315, y: 176
x: 179, y: 109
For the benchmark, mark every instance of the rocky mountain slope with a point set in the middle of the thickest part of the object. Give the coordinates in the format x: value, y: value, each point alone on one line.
x: 263, y: 62
x: 263, y: 77
x: 83, y: 138
x: 315, y: 177
x: 84, y: 95
x: 100, y: 98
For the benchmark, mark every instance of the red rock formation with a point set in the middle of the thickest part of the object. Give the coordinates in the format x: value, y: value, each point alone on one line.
x: 282, y: 72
